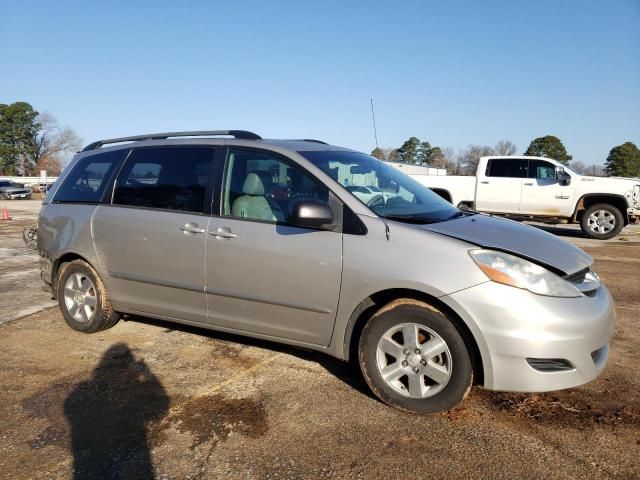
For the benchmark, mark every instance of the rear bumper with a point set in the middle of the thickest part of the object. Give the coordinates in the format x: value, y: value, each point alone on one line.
x: 46, y: 268
x: 633, y: 214
x: 512, y: 325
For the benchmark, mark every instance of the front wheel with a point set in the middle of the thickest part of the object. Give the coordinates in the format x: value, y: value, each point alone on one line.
x: 414, y: 359
x: 602, y: 221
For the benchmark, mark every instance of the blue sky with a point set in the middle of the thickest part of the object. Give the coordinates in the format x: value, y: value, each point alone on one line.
x: 453, y: 73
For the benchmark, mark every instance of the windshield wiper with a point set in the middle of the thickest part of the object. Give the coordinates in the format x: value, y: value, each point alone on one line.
x: 411, y: 219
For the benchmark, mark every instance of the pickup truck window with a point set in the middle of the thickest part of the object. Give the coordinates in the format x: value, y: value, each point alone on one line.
x: 541, y: 169
x: 508, y: 167
x: 389, y: 192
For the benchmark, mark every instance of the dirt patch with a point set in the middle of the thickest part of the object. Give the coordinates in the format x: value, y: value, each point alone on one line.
x: 214, y: 418
x: 560, y: 410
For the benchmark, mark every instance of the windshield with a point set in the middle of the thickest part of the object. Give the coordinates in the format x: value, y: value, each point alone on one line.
x: 6, y: 184
x: 389, y: 192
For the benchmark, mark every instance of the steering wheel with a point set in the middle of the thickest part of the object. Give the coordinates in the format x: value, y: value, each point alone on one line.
x: 377, y: 201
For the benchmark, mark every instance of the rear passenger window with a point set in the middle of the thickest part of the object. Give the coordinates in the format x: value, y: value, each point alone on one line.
x: 510, y: 168
x: 172, y: 178
x: 88, y: 179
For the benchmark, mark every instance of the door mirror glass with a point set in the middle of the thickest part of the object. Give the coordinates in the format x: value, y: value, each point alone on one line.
x: 562, y: 176
x: 311, y: 214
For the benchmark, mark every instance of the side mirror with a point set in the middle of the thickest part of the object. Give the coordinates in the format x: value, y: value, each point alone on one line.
x: 311, y: 214
x: 563, y: 176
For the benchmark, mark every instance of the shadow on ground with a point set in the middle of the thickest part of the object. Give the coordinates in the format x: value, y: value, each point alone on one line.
x: 108, y: 415
x: 561, y: 232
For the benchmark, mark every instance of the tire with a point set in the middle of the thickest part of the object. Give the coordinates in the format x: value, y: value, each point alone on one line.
x: 415, y: 392
x: 610, y: 218
x: 83, y: 298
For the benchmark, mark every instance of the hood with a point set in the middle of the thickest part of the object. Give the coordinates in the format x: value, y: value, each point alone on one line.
x: 513, y: 237
x: 627, y: 187
x: 14, y: 189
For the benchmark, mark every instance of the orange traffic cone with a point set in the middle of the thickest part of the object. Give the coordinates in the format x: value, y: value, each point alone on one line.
x: 5, y: 214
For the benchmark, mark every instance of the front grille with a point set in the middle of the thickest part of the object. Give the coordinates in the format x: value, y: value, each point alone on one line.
x: 18, y: 192
x: 550, y: 364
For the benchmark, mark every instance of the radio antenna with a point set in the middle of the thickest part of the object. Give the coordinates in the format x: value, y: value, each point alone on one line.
x: 373, y: 117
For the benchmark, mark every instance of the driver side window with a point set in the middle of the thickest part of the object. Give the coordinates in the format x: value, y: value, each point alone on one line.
x: 541, y: 170
x: 263, y: 186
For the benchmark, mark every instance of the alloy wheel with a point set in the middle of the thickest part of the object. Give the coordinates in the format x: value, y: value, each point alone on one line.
x: 80, y: 297
x: 414, y: 360
x: 601, y: 222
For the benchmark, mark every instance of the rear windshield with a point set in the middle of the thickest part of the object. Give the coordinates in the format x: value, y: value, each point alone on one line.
x: 389, y: 192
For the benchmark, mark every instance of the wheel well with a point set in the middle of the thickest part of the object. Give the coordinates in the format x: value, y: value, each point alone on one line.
x: 443, y: 193
x: 66, y: 258
x: 372, y: 304
x: 588, y: 200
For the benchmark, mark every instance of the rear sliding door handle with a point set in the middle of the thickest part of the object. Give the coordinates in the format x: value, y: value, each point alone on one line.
x: 191, y: 228
x: 485, y: 182
x: 223, y: 232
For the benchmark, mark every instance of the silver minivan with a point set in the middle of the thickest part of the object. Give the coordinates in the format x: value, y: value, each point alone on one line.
x: 269, y: 238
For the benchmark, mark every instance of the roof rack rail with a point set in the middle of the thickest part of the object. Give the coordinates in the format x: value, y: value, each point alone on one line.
x: 311, y: 140
x: 241, y: 134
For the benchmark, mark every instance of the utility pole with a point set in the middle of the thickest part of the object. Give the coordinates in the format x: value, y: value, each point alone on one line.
x: 373, y: 117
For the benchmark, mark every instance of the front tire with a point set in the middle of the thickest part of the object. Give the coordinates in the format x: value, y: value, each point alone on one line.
x: 414, y: 359
x: 602, y: 221
x: 83, y: 298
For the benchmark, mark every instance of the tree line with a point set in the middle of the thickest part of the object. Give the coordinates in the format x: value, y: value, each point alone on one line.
x: 623, y: 160
x: 31, y: 141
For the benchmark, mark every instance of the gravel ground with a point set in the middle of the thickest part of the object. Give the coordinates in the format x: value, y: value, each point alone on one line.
x: 151, y: 399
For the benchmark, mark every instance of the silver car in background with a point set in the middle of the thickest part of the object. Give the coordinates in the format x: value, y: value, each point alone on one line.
x: 267, y: 238
x: 10, y: 190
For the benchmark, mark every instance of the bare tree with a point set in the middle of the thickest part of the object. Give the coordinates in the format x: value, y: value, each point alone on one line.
x: 445, y: 158
x: 592, y: 170
x: 54, y: 144
x: 579, y: 167
x: 504, y: 147
x: 468, y: 159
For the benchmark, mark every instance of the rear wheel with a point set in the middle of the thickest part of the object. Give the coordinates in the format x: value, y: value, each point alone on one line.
x: 83, y: 298
x: 413, y: 358
x: 602, y: 221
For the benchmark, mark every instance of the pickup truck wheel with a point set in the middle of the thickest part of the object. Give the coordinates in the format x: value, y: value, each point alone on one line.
x: 602, y: 221
x: 414, y: 359
x: 83, y: 298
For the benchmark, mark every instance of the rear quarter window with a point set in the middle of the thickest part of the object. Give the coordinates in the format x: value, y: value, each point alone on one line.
x: 88, y: 179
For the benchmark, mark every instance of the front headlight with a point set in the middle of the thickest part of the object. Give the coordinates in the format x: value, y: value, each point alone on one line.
x: 520, y: 273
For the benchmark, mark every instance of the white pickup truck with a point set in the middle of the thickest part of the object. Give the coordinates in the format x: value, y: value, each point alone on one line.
x: 543, y: 189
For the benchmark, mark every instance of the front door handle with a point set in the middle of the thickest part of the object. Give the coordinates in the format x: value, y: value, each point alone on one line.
x: 485, y: 182
x: 530, y: 184
x: 191, y: 227
x: 223, y: 232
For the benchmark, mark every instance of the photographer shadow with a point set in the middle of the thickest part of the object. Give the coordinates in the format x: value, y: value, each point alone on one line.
x: 108, y: 416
